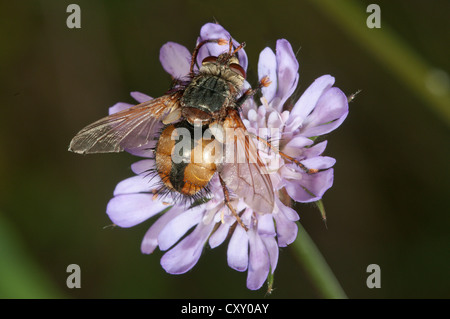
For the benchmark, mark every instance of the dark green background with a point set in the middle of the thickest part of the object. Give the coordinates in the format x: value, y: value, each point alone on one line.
x: 388, y: 205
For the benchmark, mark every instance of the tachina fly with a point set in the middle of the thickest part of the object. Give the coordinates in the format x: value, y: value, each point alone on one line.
x: 209, y: 100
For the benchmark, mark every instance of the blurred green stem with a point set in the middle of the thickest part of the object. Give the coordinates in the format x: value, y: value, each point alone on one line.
x: 309, y: 256
x: 391, y: 51
x: 20, y: 275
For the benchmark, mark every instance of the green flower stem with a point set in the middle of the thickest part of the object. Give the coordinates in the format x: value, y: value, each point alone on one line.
x: 309, y: 256
x: 390, y: 50
x: 20, y: 275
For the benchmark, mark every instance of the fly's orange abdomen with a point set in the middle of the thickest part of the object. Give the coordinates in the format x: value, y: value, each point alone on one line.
x: 189, y: 166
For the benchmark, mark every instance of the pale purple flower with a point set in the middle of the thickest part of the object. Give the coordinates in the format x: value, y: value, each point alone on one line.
x: 320, y: 109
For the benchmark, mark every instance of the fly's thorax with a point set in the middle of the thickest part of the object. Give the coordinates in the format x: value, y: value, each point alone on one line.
x: 208, y: 94
x: 219, y: 81
x: 226, y: 72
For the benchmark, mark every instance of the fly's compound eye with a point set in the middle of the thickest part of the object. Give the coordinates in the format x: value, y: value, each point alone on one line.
x: 209, y: 59
x: 238, y: 69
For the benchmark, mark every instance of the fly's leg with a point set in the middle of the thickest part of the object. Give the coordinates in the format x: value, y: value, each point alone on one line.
x: 228, y: 203
x: 265, y: 81
x: 287, y: 157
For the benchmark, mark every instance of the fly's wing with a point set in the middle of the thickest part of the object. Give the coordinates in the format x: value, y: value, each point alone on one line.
x: 243, y: 171
x: 129, y: 128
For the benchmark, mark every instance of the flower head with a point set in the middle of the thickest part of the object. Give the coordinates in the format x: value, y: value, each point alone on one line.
x: 183, y: 230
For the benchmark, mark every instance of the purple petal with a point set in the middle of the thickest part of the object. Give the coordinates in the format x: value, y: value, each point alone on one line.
x: 259, y: 264
x: 140, y: 97
x: 274, y: 120
x: 277, y: 180
x: 287, y: 211
x: 285, y: 116
x: 319, y: 162
x: 296, y: 146
x: 143, y: 166
x: 252, y: 116
x: 267, y: 66
x: 237, y: 254
x: 132, y: 209
x: 185, y: 255
x: 286, y: 229
x: 315, y: 150
x: 308, y: 101
x: 311, y: 187
x: 262, y: 111
x: 221, y: 233
x: 266, y: 226
x: 118, y: 107
x: 330, y: 111
x: 175, y: 59
x: 299, y: 142
x: 319, y: 184
x: 287, y: 71
x: 273, y: 251
x: 150, y: 240
x: 212, y: 31
x: 178, y: 226
x: 135, y: 184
